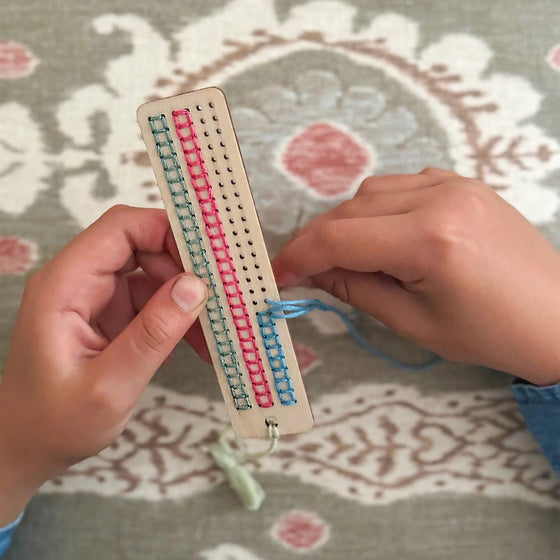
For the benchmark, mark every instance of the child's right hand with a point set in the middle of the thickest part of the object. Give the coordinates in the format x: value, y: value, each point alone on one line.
x: 444, y: 261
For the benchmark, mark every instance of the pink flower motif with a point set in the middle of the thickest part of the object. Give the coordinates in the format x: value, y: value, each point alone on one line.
x: 326, y: 159
x: 16, y: 60
x: 300, y: 531
x: 553, y: 57
x: 16, y: 255
x: 306, y: 357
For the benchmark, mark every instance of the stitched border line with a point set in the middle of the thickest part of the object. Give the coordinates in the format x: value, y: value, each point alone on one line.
x: 276, y: 357
x: 200, y: 182
x: 201, y: 266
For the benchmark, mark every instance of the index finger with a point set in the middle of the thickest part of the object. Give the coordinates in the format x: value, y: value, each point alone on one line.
x: 380, y: 244
x: 81, y: 276
x: 107, y: 245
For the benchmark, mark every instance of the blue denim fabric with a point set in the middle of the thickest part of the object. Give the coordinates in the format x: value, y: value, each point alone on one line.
x: 6, y: 534
x: 540, y: 407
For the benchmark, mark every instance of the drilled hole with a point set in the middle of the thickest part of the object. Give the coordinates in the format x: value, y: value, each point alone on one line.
x: 263, y: 289
x: 219, y: 130
x: 199, y: 107
x: 203, y: 121
x: 226, y: 156
x: 222, y: 145
x: 215, y: 118
x: 260, y: 277
x: 251, y: 291
x: 206, y: 133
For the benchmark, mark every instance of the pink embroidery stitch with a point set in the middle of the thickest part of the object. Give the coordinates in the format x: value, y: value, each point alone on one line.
x: 215, y: 231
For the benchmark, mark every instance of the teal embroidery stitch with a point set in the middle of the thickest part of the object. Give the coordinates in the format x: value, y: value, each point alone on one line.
x: 199, y: 258
x: 297, y: 308
x: 276, y: 357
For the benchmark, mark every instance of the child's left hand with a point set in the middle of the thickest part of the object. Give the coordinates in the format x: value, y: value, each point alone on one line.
x: 89, y: 336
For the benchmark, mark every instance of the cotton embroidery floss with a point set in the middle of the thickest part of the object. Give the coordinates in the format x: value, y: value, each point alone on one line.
x: 297, y: 308
x: 196, y: 159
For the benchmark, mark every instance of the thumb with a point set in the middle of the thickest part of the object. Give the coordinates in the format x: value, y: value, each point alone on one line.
x: 134, y: 356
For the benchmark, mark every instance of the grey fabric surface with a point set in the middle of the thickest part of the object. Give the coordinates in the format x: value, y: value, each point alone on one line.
x: 466, y: 85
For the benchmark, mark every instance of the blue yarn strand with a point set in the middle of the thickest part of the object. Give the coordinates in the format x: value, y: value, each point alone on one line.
x: 297, y: 308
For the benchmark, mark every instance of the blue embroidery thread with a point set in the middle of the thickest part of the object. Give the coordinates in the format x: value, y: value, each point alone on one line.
x: 297, y: 308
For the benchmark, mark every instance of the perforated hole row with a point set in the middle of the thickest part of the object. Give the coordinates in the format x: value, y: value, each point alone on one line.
x: 236, y: 219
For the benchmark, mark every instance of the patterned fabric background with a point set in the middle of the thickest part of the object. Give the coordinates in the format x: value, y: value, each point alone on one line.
x: 432, y: 465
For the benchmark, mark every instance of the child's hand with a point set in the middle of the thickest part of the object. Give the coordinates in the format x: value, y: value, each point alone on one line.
x: 89, y: 336
x: 445, y: 262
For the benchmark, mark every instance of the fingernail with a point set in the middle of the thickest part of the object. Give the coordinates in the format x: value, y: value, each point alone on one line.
x: 188, y: 292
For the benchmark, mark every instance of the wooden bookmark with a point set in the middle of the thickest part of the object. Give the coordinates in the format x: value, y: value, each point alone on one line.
x: 199, y: 170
